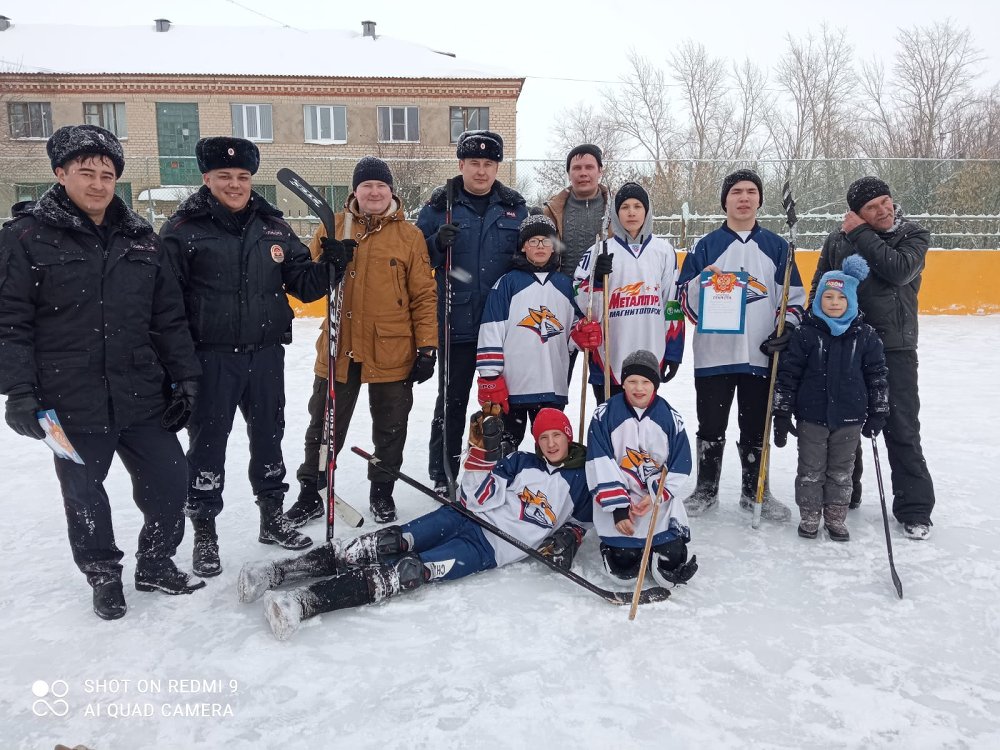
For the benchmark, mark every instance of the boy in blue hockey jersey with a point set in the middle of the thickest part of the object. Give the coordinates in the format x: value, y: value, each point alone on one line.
x: 531, y: 496
x: 530, y: 325
x: 834, y: 380
x: 632, y: 437
x: 737, y: 364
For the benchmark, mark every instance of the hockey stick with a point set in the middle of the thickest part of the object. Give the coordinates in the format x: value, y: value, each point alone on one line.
x: 308, y: 194
x: 590, y: 312
x: 685, y: 217
x: 885, y: 521
x: 654, y: 594
x: 449, y: 192
x: 789, y: 205
x: 654, y: 496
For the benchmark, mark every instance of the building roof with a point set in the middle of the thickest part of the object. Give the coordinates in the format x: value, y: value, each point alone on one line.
x: 226, y: 50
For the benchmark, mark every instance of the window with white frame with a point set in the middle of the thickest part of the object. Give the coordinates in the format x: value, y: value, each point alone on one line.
x: 252, y: 121
x: 468, y: 118
x: 108, y: 115
x: 398, y: 124
x: 29, y: 119
x: 325, y: 123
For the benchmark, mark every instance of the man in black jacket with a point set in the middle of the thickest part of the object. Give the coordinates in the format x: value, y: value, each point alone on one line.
x: 92, y: 325
x: 896, y: 250
x: 236, y: 258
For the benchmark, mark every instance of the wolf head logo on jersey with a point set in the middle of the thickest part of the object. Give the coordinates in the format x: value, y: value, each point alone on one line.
x: 639, y: 465
x: 535, y: 509
x: 543, y: 322
x: 756, y: 290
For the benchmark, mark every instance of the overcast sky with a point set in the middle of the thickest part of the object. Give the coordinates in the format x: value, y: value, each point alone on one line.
x: 550, y: 44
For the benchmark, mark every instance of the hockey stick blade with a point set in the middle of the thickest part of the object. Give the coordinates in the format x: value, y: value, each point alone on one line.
x: 623, y: 598
x: 348, y: 514
x: 309, y: 195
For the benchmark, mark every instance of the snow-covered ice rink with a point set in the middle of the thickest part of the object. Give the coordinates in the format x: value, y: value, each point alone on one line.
x: 777, y: 641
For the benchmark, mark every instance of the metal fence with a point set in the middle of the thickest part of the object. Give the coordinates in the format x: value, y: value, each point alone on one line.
x: 957, y: 199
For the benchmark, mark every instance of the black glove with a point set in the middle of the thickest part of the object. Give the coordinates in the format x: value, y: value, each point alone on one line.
x: 423, y: 366
x: 775, y: 343
x: 562, y: 545
x: 603, y: 266
x: 178, y: 411
x: 446, y: 235
x: 668, y: 371
x: 783, y: 425
x: 486, y: 431
x: 22, y: 407
x: 872, y: 427
x: 337, y: 254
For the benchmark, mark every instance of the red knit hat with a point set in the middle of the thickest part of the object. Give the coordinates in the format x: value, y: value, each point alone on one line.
x: 550, y: 419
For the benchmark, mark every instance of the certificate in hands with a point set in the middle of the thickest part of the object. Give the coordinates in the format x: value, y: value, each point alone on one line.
x: 722, y: 305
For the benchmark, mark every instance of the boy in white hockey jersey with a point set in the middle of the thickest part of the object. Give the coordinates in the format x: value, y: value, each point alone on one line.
x: 643, y: 311
x: 529, y: 326
x: 632, y: 437
x: 738, y: 364
x: 540, y: 498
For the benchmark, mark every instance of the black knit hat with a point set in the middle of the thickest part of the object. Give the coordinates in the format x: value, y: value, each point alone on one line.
x: 536, y: 225
x: 224, y: 152
x: 71, y: 141
x: 642, y: 363
x: 585, y: 148
x: 371, y: 168
x: 631, y: 190
x: 739, y: 176
x: 480, y: 144
x: 864, y: 190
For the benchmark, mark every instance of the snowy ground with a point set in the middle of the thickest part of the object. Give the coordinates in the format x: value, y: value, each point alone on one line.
x: 777, y: 642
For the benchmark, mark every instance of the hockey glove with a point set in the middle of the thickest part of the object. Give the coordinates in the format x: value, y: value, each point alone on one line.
x: 494, y: 390
x: 446, y: 235
x: 561, y: 546
x: 423, y: 366
x: 178, y: 410
x: 22, y: 408
x: 587, y: 334
x: 602, y: 267
x: 337, y: 254
x: 782, y: 426
x: 485, y: 438
x: 668, y: 370
x: 873, y: 425
x: 775, y: 343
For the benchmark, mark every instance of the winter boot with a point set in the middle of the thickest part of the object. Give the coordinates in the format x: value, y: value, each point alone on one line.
x: 809, y: 523
x: 834, y: 517
x: 274, y: 529
x: 310, y: 505
x: 381, y: 503
x: 205, y: 552
x: 256, y: 578
x: 916, y: 530
x: 109, y: 599
x: 706, y: 492
x: 164, y: 576
x: 773, y: 509
x: 357, y: 586
x: 373, y: 548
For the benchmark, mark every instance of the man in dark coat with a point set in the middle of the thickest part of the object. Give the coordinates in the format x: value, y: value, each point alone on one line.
x: 896, y: 250
x: 236, y: 258
x: 483, y: 235
x: 92, y: 326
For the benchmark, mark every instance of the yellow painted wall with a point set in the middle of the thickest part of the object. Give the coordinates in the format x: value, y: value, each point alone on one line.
x: 955, y: 282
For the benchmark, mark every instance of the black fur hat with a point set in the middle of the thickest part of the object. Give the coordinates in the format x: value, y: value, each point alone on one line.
x: 225, y: 152
x: 864, y: 190
x: 585, y: 148
x: 71, y: 141
x: 739, y: 176
x: 480, y: 144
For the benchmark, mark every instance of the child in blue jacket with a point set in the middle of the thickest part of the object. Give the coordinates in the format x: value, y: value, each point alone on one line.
x: 833, y: 379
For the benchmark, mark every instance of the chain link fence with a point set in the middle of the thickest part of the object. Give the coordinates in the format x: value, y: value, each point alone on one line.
x: 957, y: 199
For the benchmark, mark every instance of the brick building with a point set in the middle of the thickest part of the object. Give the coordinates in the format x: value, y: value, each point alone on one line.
x: 314, y: 100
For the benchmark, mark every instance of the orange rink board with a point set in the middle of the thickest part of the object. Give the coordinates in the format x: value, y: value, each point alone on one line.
x: 955, y: 282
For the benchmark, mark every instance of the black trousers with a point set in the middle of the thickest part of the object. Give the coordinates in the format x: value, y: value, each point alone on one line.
x: 714, y: 400
x: 389, y: 404
x: 155, y: 462
x: 255, y: 384
x: 462, y: 364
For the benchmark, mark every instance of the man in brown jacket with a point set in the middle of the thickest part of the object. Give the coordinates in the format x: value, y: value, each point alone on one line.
x: 388, y: 337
